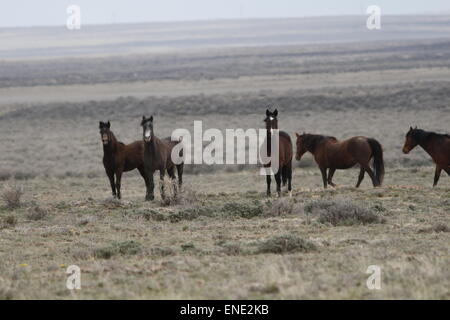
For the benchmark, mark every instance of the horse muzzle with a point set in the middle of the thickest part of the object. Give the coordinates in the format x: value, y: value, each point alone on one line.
x: 406, y: 150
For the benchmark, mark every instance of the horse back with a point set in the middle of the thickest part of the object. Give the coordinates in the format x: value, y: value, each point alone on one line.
x: 133, y: 155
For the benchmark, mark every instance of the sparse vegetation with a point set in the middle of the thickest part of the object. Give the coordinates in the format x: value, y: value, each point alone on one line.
x: 285, y: 244
x: 11, y: 196
x: 37, y: 213
x: 340, y: 213
x: 123, y: 248
x: 9, y: 221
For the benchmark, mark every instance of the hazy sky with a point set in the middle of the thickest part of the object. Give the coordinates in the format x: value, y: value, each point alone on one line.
x: 53, y: 12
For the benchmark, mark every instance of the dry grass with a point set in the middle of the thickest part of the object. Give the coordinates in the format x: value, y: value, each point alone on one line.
x: 230, y: 244
x: 341, y: 213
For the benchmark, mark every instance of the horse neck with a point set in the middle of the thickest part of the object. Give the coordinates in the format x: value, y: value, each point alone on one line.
x: 152, y: 147
x: 311, y: 145
x: 111, y: 147
x: 427, y: 143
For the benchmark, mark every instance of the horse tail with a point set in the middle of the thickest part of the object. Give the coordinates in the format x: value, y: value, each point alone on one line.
x: 378, y: 161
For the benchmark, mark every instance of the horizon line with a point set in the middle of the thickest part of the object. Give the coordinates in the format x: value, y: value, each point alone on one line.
x: 444, y: 14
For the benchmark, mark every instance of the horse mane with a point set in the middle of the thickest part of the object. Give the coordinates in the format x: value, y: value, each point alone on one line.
x: 422, y: 135
x: 312, y: 140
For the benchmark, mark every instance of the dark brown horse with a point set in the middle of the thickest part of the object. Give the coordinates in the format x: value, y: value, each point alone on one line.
x: 435, y: 144
x: 329, y: 153
x: 119, y: 158
x: 158, y: 156
x: 285, y: 153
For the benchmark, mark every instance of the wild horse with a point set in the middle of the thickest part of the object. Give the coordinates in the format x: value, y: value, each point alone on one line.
x: 285, y: 153
x: 329, y: 153
x: 435, y: 144
x: 158, y: 156
x: 119, y: 158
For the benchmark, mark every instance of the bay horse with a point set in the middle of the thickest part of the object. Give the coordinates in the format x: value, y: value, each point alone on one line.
x: 158, y: 156
x: 285, y: 154
x: 119, y: 157
x: 329, y: 153
x: 435, y: 144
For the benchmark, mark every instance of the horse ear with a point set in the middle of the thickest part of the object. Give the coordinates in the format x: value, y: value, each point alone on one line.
x: 108, y: 124
x: 410, y: 128
x: 275, y: 113
x: 298, y: 136
x: 100, y: 124
x: 267, y: 112
x: 151, y: 118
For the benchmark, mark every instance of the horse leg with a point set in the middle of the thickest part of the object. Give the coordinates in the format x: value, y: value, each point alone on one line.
x: 360, y: 177
x: 113, y: 185
x: 371, y: 174
x: 269, y: 180
x: 278, y: 180
x: 324, y: 176
x: 150, y: 195
x: 437, y: 174
x: 180, y: 175
x: 118, y: 181
x: 330, y: 177
x: 171, y: 173
x: 161, y: 184
x: 289, y: 177
x: 147, y: 185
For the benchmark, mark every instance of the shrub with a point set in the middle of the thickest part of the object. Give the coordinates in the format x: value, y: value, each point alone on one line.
x: 124, y: 248
x: 244, y: 210
x: 11, y: 196
x: 9, y: 221
x: 342, y: 213
x: 437, y: 227
x: 284, y: 206
x: 37, y: 213
x: 285, y: 244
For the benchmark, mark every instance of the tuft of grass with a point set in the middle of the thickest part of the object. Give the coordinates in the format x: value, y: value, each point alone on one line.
x: 118, y: 248
x: 437, y: 227
x: 342, y: 213
x: 284, y: 206
x: 11, y: 196
x: 37, y: 213
x: 243, y: 210
x: 9, y: 221
x: 186, y: 196
x: 285, y: 244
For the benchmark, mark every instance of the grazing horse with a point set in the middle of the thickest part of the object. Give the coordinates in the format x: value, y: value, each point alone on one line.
x: 435, y: 144
x: 329, y: 153
x: 158, y: 156
x: 285, y: 153
x: 119, y: 158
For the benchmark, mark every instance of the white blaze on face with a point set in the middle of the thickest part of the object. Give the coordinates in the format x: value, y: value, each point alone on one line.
x: 105, y: 138
x: 271, y: 129
x: 147, y: 134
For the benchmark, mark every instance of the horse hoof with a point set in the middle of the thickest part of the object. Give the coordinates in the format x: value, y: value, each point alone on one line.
x: 149, y: 198
x: 290, y: 194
